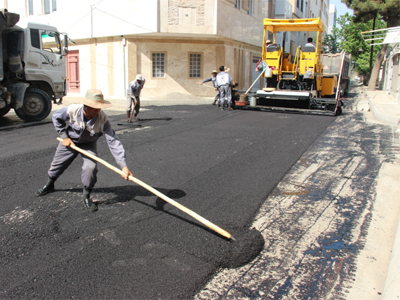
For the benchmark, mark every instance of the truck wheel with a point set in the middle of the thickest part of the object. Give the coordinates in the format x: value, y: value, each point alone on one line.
x: 36, y: 105
x: 4, y: 111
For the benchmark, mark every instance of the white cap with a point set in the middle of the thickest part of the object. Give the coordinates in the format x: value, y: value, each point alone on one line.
x: 139, y: 77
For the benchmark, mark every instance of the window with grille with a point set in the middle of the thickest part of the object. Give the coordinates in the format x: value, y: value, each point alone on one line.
x: 30, y: 7
x: 195, y: 65
x: 158, y: 64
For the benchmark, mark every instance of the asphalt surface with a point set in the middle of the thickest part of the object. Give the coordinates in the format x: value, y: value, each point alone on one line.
x: 222, y: 165
x: 330, y: 223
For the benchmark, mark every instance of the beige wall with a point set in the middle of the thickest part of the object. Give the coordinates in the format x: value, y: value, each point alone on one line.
x: 187, y: 16
x: 238, y: 25
x: 102, y: 64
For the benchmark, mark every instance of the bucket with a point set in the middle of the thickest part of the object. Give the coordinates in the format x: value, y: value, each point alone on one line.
x: 253, y: 101
x: 243, y: 98
x: 268, y: 73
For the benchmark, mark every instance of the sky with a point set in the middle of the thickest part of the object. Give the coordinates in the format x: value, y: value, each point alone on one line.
x: 340, y: 7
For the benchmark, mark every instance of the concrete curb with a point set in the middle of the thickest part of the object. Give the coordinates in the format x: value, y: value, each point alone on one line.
x: 392, y: 283
x: 393, y: 120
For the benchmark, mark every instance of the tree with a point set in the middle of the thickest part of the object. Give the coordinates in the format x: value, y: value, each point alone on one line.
x: 348, y: 36
x: 330, y: 43
x: 366, y: 10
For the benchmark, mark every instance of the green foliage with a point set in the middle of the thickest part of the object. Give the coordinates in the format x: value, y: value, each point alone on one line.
x: 348, y: 35
x: 365, y: 10
x: 330, y: 44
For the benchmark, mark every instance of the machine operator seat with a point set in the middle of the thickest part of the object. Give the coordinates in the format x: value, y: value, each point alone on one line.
x: 309, y: 49
x: 273, y: 47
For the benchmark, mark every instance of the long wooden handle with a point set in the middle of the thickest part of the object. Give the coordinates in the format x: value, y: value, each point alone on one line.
x: 254, y: 82
x: 155, y: 192
x: 206, y: 85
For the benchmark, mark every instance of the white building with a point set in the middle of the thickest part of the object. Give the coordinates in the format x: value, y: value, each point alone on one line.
x: 319, y: 9
x: 174, y: 44
x: 332, y: 18
x: 299, y: 9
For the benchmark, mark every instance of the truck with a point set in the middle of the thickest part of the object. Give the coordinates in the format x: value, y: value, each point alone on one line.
x: 330, y: 65
x: 32, y: 67
x: 297, y: 79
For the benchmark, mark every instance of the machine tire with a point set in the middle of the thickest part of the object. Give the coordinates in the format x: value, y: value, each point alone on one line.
x: 4, y: 111
x: 36, y: 105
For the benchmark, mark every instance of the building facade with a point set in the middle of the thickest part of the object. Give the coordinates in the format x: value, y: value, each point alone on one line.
x: 332, y: 18
x: 174, y: 44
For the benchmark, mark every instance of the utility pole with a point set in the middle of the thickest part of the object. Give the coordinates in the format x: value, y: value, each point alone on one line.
x: 372, y: 46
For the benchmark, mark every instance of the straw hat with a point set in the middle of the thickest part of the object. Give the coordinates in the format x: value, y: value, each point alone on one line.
x: 227, y: 69
x: 95, y: 99
x: 268, y: 42
x: 215, y: 71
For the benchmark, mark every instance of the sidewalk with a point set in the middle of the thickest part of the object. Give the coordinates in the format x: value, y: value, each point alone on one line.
x: 386, y: 109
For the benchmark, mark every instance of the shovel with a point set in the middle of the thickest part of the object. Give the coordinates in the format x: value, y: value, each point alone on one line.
x: 157, y: 193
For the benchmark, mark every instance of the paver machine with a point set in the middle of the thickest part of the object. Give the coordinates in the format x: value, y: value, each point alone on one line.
x: 296, y: 81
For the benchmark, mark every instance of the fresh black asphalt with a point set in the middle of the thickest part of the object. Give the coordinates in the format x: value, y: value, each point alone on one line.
x: 220, y: 164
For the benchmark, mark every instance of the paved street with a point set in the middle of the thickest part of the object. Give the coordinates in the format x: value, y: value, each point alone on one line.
x: 306, y: 184
x: 328, y: 234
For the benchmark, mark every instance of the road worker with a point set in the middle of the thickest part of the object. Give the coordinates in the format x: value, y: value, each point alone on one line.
x: 213, y: 78
x: 224, y: 83
x: 87, y: 122
x: 133, y: 97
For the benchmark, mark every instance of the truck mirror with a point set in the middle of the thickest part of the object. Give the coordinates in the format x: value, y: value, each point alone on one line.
x: 65, y: 49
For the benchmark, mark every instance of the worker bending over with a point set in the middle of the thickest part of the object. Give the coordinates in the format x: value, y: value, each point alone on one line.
x: 87, y: 123
x: 133, y: 97
x: 213, y: 78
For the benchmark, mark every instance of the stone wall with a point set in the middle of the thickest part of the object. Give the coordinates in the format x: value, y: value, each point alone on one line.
x: 179, y: 10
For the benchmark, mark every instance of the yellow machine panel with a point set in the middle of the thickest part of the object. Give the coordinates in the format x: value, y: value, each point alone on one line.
x: 329, y: 85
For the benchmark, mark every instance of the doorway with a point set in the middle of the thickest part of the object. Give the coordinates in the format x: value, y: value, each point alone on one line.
x: 73, y: 82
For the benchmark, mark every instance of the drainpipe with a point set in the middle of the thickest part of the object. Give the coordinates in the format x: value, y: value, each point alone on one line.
x: 215, y: 16
x: 91, y: 21
x: 124, y: 60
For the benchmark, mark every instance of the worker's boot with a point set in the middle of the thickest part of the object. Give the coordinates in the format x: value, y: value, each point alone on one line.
x: 89, y: 204
x: 230, y: 106
x: 128, y: 116
x: 47, y: 188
